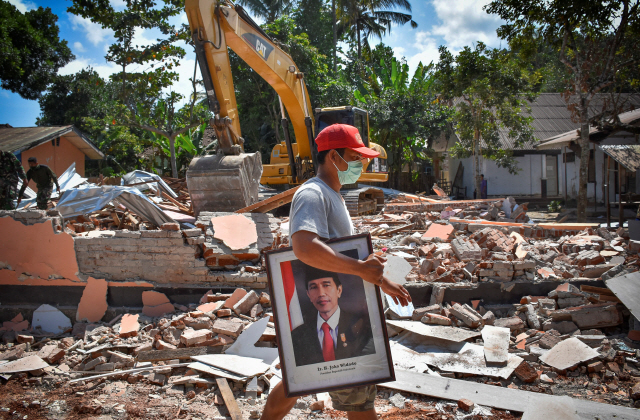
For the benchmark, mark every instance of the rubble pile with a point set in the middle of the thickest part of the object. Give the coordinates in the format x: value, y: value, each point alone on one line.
x: 442, y: 252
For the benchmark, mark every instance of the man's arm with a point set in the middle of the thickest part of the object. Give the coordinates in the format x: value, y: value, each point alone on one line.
x: 311, y: 250
x: 55, y: 179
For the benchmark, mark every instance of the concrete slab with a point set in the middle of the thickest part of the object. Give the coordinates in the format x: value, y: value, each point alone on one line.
x: 245, y: 343
x: 496, y: 344
x: 241, y: 365
x: 435, y: 331
x: 568, y: 353
x: 26, y: 364
x: 396, y: 269
x: 51, y: 320
x: 627, y: 289
x: 436, y: 230
x: 559, y: 408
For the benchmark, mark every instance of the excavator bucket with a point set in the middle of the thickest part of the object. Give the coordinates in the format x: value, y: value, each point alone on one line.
x: 224, y: 183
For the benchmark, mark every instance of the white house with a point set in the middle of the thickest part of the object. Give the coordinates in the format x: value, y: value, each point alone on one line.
x: 541, y: 166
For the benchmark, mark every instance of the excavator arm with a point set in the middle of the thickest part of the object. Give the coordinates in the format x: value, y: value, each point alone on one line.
x: 216, y: 25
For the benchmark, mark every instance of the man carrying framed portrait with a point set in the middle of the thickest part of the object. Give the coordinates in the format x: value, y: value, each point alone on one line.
x: 321, y: 275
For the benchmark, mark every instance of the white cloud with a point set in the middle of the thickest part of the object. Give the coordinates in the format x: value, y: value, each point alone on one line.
x: 95, y: 33
x: 23, y: 5
x: 78, y: 47
x: 427, y: 51
x: 104, y: 69
x: 464, y: 23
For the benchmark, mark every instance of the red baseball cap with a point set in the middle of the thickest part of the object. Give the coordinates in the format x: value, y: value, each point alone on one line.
x: 338, y: 136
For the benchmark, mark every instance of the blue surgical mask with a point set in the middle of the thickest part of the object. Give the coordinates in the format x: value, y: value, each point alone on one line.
x: 352, y: 174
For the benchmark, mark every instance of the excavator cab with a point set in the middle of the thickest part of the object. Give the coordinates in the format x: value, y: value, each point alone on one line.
x: 375, y: 170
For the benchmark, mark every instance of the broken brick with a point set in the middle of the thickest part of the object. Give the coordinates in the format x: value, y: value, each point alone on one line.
x: 525, y: 372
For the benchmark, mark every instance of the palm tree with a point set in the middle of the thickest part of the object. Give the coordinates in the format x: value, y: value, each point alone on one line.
x: 367, y: 18
x: 270, y: 10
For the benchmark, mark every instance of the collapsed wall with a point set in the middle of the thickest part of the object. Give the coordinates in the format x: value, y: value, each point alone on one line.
x: 35, y: 250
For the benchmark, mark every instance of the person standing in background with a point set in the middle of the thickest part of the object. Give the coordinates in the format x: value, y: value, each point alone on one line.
x: 10, y: 171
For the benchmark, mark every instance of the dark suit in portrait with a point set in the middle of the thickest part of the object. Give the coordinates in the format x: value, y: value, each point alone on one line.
x: 354, y: 339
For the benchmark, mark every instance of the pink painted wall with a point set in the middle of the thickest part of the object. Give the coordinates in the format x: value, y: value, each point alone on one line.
x: 58, y: 158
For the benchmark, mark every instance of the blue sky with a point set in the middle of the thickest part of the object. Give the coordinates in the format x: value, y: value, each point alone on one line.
x: 454, y: 23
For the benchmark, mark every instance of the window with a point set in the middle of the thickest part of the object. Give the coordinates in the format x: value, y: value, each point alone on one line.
x: 592, y: 167
x: 569, y: 157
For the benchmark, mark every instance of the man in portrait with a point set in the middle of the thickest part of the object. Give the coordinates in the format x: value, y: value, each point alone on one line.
x: 334, y: 332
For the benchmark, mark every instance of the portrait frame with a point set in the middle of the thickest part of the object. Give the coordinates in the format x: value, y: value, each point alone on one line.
x: 368, y: 361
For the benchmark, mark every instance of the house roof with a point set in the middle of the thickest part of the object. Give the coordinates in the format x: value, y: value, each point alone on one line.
x: 565, y: 139
x: 552, y: 118
x: 19, y: 139
x: 628, y: 155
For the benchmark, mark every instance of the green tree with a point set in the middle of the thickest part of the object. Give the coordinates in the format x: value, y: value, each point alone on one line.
x: 31, y: 51
x: 404, y: 115
x: 364, y: 19
x: 145, y: 100
x: 595, y: 40
x: 490, y: 89
x: 270, y: 10
x: 88, y: 102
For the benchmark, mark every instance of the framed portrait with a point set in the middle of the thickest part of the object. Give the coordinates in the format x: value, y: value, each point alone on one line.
x: 330, y: 326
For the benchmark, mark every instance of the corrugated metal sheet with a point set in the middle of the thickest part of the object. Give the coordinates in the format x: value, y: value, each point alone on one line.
x: 626, y: 155
x: 552, y: 118
x: 18, y: 139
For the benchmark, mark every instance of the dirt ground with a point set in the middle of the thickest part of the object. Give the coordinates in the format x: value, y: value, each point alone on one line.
x: 24, y: 398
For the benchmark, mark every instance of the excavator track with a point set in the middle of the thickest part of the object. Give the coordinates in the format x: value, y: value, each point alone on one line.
x: 361, y: 201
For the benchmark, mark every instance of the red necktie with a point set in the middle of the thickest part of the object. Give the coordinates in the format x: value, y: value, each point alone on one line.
x: 327, y: 344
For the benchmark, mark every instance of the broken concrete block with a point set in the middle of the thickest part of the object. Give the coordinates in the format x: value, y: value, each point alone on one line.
x: 234, y: 298
x: 488, y: 318
x: 437, y: 295
x: 569, y: 353
x: 418, y: 313
x: 514, y: 323
x: 465, y: 404
x: 95, y: 362
x: 496, y: 344
x: 193, y: 337
x: 229, y: 327
x: 245, y: 304
x: 436, y: 230
x: 162, y: 345
x: 549, y: 341
x: 51, y: 353
x: 526, y: 373
x: 50, y: 319
x: 256, y: 311
x: 470, y: 319
x: 105, y: 367
x: 563, y: 327
x: 466, y: 249
x: 590, y: 316
x: 435, y: 319
x: 157, y: 379
x: 129, y: 325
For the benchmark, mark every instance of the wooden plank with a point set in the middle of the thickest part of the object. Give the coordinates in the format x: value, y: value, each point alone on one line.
x: 498, y: 397
x: 229, y: 400
x: 185, y: 353
x: 396, y: 230
x: 627, y: 289
x: 271, y: 202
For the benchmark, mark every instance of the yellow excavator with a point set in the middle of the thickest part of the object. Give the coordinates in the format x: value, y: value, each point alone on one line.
x: 230, y: 179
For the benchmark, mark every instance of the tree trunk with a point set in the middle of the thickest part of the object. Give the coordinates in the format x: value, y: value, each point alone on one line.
x: 359, y: 46
x: 584, y: 166
x: 172, y: 149
x: 476, y: 163
x: 335, y: 35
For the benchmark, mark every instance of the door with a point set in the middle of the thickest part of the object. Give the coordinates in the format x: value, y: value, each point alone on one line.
x: 552, y: 175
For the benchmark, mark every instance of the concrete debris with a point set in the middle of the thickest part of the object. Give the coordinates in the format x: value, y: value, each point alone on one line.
x: 569, y: 353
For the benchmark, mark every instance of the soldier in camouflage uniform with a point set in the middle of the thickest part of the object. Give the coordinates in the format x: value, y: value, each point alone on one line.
x: 10, y: 171
x: 44, y: 178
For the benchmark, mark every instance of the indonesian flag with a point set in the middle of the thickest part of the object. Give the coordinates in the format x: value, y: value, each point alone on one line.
x: 291, y: 296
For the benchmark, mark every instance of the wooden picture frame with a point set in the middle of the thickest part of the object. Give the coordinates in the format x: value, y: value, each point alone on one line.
x: 304, y: 298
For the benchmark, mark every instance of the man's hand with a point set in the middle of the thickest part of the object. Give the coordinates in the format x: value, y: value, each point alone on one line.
x: 396, y: 291
x: 372, y: 269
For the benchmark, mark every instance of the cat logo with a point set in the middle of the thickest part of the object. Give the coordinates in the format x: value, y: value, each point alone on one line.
x: 259, y: 45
